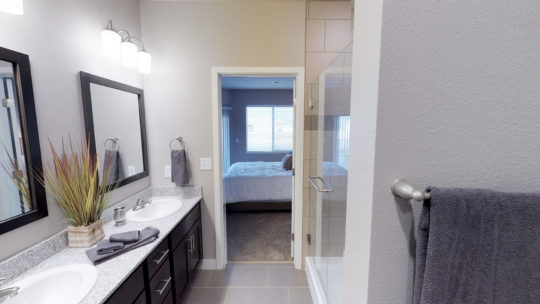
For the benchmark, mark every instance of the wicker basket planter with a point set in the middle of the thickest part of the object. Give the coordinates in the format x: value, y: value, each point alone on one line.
x: 83, y: 237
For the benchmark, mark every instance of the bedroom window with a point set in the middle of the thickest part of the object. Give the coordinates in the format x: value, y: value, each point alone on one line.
x: 269, y: 129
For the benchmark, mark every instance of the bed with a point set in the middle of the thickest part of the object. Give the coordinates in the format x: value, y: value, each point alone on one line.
x: 257, y: 182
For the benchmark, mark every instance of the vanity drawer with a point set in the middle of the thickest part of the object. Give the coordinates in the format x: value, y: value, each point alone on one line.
x: 183, y: 228
x: 130, y: 289
x: 161, y: 283
x: 158, y: 257
x: 169, y: 299
x: 141, y: 299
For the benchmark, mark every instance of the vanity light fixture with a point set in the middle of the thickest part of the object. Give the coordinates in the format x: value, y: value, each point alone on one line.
x: 12, y: 6
x: 120, y: 44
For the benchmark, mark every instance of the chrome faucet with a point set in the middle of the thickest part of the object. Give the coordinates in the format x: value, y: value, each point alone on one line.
x: 141, y: 203
x: 8, y: 293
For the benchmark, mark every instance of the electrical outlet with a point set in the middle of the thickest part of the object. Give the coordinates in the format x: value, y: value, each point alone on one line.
x: 131, y: 170
x: 167, y: 171
x: 206, y: 163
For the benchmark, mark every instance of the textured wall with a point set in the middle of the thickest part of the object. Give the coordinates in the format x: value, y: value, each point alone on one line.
x: 458, y: 106
x: 63, y: 38
x: 186, y: 39
x: 240, y: 99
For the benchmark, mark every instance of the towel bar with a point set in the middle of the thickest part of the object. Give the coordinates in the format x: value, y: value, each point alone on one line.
x: 402, y: 188
x: 114, y: 140
x: 178, y: 139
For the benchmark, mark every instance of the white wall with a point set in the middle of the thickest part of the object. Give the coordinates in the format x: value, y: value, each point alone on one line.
x: 186, y: 39
x: 458, y: 105
x: 62, y: 37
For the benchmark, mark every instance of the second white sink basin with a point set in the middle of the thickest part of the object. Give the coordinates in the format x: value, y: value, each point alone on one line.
x: 159, y: 208
x: 62, y: 285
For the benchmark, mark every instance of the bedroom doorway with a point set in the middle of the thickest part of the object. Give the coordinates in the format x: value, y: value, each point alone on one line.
x: 258, y: 148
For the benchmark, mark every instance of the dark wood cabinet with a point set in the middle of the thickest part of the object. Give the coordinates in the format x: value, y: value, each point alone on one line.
x: 166, y: 274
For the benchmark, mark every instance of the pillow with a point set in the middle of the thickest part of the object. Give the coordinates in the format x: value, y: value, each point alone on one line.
x: 286, y: 161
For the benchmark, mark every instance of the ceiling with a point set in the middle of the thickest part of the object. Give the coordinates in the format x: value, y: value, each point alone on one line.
x: 257, y: 83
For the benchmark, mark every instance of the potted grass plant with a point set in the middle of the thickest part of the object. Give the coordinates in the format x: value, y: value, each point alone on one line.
x: 73, y: 181
x: 20, y: 180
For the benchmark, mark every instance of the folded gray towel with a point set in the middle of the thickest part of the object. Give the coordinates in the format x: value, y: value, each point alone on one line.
x: 126, y: 237
x: 148, y: 235
x: 106, y: 246
x: 179, y: 168
x: 111, y: 161
x: 478, y: 246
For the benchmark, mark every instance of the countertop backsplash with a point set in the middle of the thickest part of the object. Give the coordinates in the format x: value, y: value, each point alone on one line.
x: 18, y: 264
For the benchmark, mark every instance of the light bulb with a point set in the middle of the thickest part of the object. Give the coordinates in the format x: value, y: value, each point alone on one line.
x: 12, y: 6
x: 129, y: 54
x: 111, y: 43
x: 144, y: 62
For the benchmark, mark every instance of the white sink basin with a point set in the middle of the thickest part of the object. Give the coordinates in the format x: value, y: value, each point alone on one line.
x: 159, y: 208
x: 62, y: 285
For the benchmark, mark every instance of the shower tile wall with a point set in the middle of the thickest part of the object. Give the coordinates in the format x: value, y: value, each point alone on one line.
x: 328, y: 31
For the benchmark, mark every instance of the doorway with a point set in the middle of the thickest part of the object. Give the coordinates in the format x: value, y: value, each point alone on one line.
x: 261, y: 136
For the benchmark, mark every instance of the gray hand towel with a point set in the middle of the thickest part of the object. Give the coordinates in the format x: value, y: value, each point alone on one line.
x: 126, y: 237
x: 148, y: 235
x: 478, y: 246
x: 179, y: 168
x: 107, y: 246
x: 111, y: 162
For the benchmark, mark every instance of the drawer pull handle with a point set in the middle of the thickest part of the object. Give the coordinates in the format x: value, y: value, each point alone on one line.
x: 163, y: 256
x: 160, y: 291
x: 190, y: 249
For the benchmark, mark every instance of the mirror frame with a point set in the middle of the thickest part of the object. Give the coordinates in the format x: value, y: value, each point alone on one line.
x: 25, y: 99
x: 86, y: 80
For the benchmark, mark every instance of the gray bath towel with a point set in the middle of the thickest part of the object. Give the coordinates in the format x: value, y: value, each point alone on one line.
x: 107, y: 246
x: 478, y: 246
x: 126, y: 237
x: 111, y: 160
x: 148, y: 235
x: 179, y: 168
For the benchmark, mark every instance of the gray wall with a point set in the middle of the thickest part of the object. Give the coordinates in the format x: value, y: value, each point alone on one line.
x: 186, y: 39
x: 458, y: 106
x: 63, y: 38
x: 239, y: 100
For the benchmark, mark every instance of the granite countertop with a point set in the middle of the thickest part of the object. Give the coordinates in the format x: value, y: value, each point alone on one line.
x: 113, y: 272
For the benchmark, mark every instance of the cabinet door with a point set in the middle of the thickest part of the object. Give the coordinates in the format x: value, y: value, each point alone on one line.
x: 180, y: 264
x: 195, y: 252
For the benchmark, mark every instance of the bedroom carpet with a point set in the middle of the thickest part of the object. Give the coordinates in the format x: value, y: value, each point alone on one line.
x: 259, y: 236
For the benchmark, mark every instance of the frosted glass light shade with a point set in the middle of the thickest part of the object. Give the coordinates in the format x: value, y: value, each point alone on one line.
x: 129, y: 54
x: 12, y: 6
x: 144, y: 62
x: 111, y: 43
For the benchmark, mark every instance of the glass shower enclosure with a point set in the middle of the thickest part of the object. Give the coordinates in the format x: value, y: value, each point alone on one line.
x: 330, y: 100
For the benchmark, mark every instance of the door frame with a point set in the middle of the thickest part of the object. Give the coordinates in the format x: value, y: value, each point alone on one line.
x: 298, y: 153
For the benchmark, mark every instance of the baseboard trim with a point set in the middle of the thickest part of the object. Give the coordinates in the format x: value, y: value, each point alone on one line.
x: 208, y: 264
x: 315, y: 286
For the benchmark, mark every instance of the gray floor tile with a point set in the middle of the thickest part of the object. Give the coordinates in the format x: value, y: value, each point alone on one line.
x: 286, y: 277
x: 300, y: 295
x: 205, y: 296
x: 256, y: 295
x: 201, y: 279
x: 239, y: 277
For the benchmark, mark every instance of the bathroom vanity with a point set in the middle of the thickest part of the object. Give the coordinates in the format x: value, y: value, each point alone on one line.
x: 165, y: 275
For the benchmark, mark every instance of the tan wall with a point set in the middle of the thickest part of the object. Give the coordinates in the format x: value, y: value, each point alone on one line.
x: 186, y: 39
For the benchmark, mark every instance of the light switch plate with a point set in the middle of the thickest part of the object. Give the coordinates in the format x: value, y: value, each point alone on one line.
x: 167, y: 171
x: 131, y: 170
x: 206, y: 163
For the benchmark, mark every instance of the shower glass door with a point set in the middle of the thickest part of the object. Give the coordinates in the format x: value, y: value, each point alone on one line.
x: 331, y: 99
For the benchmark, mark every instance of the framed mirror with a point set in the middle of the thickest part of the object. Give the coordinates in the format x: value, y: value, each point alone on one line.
x: 22, y: 197
x: 115, y: 124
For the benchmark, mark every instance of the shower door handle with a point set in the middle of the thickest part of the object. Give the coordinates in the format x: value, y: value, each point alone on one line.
x: 327, y: 187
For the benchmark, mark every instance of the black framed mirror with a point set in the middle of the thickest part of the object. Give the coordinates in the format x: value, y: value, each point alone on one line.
x: 115, y: 123
x: 22, y: 197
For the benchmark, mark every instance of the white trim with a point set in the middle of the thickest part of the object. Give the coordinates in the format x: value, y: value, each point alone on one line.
x: 208, y: 264
x: 315, y: 286
x: 219, y: 215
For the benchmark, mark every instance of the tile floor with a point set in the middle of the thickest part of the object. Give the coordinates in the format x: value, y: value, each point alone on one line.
x: 248, y: 283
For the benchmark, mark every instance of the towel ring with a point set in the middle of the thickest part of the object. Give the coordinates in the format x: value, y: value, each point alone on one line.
x: 179, y: 139
x: 115, y: 140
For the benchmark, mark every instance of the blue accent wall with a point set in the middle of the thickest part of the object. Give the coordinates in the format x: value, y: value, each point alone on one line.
x: 239, y: 100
